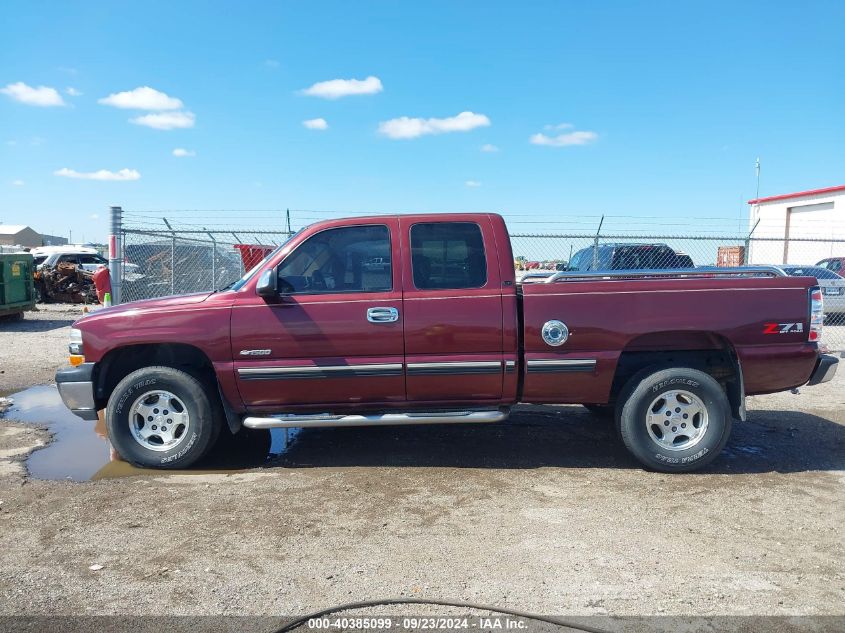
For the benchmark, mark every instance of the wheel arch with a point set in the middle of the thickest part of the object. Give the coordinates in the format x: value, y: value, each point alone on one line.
x: 121, y: 361
x: 706, y: 351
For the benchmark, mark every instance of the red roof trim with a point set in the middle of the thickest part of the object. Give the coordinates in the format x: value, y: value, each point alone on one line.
x: 800, y: 194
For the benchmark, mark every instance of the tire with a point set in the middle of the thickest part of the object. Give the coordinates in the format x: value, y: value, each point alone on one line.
x: 160, y: 417
x: 684, y: 444
x: 600, y: 410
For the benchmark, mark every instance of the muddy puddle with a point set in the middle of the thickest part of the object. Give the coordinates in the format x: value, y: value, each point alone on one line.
x: 80, y: 450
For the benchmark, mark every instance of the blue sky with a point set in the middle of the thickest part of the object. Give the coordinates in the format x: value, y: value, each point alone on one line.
x: 654, y: 109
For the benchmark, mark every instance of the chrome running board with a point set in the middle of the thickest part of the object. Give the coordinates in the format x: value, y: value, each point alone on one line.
x: 379, y: 419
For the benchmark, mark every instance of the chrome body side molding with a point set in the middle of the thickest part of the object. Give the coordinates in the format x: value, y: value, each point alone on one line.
x: 333, y: 371
x: 454, y: 368
x: 540, y: 366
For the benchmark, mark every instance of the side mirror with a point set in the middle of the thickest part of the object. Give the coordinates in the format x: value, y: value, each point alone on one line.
x: 266, y: 286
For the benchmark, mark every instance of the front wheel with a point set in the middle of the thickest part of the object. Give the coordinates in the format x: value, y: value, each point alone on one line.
x: 674, y: 420
x: 160, y: 417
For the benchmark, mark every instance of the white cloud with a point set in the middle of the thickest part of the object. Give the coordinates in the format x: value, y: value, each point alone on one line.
x: 316, y: 124
x: 559, y: 126
x: 142, y: 98
x: 103, y: 174
x: 94, y: 216
x: 564, y: 140
x: 166, y: 120
x: 489, y: 147
x: 337, y: 88
x: 41, y: 96
x: 272, y: 63
x: 18, y: 183
x: 68, y: 70
x: 181, y: 152
x: 72, y: 92
x: 11, y: 142
x: 472, y: 184
x: 406, y: 127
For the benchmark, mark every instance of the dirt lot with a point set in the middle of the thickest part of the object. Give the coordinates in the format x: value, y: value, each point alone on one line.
x: 545, y: 513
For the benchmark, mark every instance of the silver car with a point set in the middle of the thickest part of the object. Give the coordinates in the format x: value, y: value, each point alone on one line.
x: 832, y: 285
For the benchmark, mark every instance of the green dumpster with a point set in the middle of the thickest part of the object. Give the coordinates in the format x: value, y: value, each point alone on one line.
x: 17, y: 291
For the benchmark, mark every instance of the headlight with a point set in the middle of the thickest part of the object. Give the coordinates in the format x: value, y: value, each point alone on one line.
x: 75, y: 347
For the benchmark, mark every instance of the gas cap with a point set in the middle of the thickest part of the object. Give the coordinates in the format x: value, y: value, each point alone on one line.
x: 555, y: 332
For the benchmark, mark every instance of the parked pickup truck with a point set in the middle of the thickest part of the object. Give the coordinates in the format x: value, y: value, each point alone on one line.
x: 441, y: 333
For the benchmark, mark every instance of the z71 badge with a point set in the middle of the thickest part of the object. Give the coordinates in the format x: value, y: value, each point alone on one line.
x: 783, y: 328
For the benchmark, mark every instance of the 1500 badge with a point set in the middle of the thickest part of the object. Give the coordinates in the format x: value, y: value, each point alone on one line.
x: 255, y: 352
x: 783, y: 328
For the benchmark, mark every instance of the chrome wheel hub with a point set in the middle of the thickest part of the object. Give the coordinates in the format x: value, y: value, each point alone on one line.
x: 159, y: 421
x: 676, y: 420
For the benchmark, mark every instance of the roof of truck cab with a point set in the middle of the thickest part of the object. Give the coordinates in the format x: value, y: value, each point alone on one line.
x: 416, y: 217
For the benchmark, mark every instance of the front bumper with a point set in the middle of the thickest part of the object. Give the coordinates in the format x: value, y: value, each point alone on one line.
x: 76, y: 387
x: 825, y: 369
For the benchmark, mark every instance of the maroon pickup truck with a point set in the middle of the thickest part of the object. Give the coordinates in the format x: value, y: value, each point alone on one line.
x: 418, y: 319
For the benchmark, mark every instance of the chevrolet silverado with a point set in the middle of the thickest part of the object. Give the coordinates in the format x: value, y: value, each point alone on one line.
x: 418, y: 319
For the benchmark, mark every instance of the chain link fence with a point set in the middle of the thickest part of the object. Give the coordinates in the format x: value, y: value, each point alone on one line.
x: 184, y: 252
x: 157, y: 264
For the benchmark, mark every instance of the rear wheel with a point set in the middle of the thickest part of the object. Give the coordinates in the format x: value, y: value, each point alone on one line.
x: 161, y: 417
x: 674, y: 420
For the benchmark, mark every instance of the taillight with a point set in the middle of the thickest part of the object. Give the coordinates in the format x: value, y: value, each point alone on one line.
x: 816, y: 313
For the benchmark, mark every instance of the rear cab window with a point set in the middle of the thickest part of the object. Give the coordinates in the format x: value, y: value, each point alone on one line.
x: 448, y: 256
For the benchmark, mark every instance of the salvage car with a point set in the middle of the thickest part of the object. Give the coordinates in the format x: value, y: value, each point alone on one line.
x: 311, y: 337
x: 836, y: 264
x: 628, y: 257
x: 81, y: 256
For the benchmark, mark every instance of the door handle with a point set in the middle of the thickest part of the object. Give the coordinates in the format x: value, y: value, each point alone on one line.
x: 382, y: 315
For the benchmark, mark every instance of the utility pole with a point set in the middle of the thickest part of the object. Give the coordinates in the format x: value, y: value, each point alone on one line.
x: 287, y: 213
x: 756, y: 208
x: 754, y: 213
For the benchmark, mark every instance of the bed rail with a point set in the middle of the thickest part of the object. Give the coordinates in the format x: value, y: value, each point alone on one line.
x: 701, y: 271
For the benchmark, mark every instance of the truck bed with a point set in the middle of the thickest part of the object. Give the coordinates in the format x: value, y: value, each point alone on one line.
x: 638, y: 313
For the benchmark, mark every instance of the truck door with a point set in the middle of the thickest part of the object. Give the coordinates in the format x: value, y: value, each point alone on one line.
x: 334, y: 337
x: 453, y: 311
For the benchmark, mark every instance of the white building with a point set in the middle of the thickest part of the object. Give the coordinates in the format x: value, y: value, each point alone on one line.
x: 799, y: 228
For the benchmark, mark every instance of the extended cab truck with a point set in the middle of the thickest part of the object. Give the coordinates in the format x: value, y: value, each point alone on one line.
x: 442, y: 333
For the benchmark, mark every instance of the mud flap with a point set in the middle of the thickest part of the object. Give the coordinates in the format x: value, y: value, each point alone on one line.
x: 736, y: 391
x: 232, y: 418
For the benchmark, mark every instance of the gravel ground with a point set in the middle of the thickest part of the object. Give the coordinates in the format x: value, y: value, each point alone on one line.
x: 35, y: 346
x: 545, y: 513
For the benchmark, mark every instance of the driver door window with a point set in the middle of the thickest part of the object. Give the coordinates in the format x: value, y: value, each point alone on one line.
x: 347, y: 259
